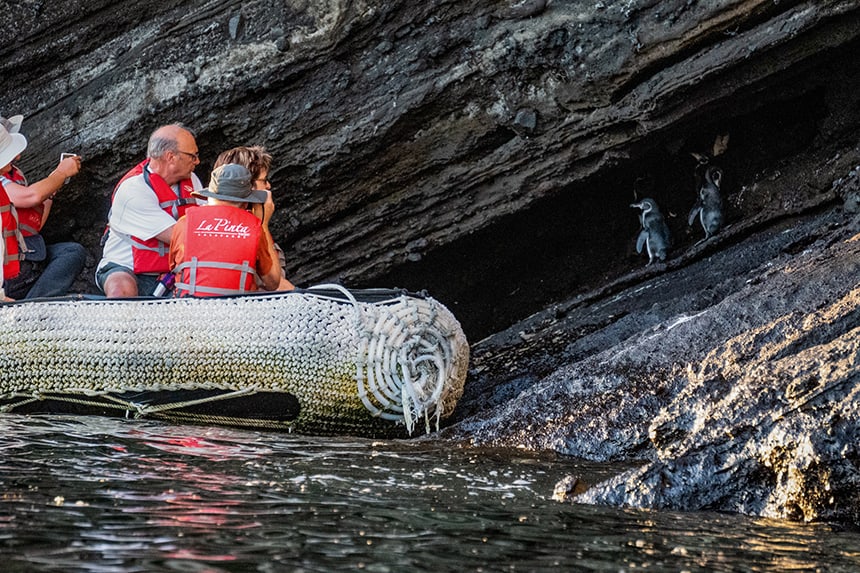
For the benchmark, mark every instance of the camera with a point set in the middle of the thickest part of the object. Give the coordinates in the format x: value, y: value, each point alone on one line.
x: 64, y: 156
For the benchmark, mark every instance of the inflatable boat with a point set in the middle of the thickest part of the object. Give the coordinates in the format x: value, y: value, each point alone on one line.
x: 323, y: 361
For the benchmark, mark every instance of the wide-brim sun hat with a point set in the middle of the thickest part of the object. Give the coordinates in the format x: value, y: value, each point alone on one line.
x: 11, y: 146
x: 232, y: 182
x: 12, y: 124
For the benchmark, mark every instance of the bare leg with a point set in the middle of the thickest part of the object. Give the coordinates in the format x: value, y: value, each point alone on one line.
x: 120, y: 285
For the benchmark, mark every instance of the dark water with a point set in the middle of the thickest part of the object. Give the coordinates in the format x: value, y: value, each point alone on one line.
x: 109, y: 495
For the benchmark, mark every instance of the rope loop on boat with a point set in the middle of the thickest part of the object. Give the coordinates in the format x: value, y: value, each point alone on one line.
x: 408, y: 361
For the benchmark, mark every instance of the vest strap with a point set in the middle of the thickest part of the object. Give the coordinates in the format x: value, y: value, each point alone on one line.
x: 245, y: 269
x: 28, y: 228
x: 162, y: 248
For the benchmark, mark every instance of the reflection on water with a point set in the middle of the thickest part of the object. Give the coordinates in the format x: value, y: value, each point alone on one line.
x: 106, y: 495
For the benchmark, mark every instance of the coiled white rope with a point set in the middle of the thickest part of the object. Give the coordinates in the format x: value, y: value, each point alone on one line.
x: 407, y: 364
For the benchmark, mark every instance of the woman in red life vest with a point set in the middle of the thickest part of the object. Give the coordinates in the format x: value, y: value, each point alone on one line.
x: 9, y: 247
x: 45, y: 269
x: 221, y: 248
x: 11, y: 240
x: 258, y: 161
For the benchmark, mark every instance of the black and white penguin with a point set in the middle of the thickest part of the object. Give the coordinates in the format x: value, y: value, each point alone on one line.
x: 709, y: 204
x: 655, y: 234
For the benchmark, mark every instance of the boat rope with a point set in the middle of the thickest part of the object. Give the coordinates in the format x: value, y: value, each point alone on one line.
x: 402, y: 377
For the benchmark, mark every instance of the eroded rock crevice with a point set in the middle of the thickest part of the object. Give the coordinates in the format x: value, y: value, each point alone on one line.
x: 798, y: 132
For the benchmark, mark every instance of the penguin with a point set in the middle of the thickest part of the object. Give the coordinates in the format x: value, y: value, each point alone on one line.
x: 709, y: 205
x: 655, y: 232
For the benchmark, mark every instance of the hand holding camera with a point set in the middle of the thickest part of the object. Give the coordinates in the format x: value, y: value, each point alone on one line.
x: 264, y: 211
x: 70, y: 165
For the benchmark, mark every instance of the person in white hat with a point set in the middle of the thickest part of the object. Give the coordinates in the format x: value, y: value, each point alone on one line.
x: 222, y: 248
x: 45, y: 270
x: 11, y: 241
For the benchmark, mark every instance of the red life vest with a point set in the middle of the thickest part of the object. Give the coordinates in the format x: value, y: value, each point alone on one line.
x: 220, y: 252
x: 29, y: 218
x: 11, y: 264
x: 150, y: 256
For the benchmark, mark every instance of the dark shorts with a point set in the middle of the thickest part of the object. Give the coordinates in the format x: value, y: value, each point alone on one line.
x: 146, y: 283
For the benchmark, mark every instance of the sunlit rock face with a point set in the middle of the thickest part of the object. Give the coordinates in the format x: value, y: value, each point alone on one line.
x: 489, y: 151
x: 767, y: 422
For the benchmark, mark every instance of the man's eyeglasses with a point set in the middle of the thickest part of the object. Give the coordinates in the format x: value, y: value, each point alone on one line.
x: 194, y: 156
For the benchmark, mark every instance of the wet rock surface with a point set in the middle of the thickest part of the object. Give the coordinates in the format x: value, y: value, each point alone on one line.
x: 488, y: 152
x: 731, y: 375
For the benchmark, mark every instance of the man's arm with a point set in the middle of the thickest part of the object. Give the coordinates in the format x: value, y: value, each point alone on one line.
x: 177, y: 243
x: 166, y: 235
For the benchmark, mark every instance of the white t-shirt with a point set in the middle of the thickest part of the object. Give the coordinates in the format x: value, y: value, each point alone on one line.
x: 135, y: 213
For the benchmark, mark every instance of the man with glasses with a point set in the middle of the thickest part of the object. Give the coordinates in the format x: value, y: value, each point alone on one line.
x: 145, y: 206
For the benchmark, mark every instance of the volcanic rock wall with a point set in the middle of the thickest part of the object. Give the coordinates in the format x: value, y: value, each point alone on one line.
x: 483, y: 150
x: 488, y: 151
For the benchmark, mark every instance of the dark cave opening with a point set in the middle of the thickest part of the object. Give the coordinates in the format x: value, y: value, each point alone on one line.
x: 584, y: 236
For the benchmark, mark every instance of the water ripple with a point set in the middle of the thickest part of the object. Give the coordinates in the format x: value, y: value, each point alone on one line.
x: 106, y: 495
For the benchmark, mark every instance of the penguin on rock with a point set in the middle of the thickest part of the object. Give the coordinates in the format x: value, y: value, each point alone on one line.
x: 654, y: 236
x: 708, y: 208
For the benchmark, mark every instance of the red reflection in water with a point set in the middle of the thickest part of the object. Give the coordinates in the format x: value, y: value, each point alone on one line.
x: 188, y: 554
x: 198, y: 498
x: 190, y: 510
x: 192, y: 446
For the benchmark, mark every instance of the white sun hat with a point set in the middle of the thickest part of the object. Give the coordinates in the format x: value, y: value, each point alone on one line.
x: 11, y: 146
x: 13, y: 124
